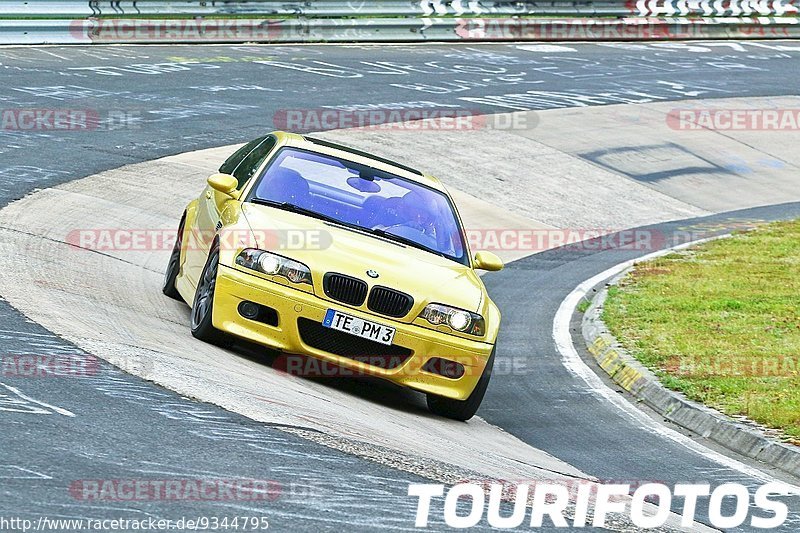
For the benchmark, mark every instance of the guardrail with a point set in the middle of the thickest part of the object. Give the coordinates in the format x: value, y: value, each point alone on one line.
x: 219, y: 21
x: 319, y: 8
x: 400, y: 8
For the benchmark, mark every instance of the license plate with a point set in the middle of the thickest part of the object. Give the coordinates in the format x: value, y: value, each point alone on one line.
x: 358, y: 327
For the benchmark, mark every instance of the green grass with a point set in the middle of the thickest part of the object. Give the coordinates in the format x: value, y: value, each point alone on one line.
x: 721, y: 323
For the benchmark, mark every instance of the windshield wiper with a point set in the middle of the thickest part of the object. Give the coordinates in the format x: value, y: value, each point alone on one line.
x: 287, y: 206
x: 405, y: 240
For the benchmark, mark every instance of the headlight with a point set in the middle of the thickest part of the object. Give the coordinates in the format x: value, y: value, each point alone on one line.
x: 458, y: 319
x: 274, y: 265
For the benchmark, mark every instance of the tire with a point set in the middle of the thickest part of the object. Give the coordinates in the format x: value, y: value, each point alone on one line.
x: 462, y: 409
x: 203, y: 307
x: 174, y: 266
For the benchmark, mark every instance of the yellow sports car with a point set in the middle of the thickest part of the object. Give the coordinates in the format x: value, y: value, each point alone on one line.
x: 315, y: 249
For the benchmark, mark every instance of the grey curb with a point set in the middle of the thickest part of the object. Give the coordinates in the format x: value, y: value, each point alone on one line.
x: 632, y: 376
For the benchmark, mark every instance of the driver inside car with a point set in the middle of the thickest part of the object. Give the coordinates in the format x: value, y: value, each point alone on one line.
x: 417, y: 214
x: 414, y: 218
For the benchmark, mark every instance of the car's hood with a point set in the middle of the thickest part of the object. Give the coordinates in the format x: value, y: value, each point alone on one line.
x: 330, y: 248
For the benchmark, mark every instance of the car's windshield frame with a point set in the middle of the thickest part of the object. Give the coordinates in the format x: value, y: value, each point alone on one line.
x: 464, y: 259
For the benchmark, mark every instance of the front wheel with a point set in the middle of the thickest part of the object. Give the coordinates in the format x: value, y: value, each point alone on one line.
x: 462, y: 409
x: 174, y: 266
x: 203, y: 306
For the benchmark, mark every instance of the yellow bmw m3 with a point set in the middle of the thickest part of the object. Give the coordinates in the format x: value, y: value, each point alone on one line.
x: 315, y: 249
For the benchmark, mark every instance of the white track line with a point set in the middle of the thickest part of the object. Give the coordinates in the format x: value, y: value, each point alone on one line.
x: 575, y: 365
x: 55, y: 409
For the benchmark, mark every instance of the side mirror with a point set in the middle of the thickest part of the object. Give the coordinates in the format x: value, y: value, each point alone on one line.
x: 224, y: 183
x: 488, y: 261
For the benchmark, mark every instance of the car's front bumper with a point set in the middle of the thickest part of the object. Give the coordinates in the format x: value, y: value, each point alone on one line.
x: 234, y: 286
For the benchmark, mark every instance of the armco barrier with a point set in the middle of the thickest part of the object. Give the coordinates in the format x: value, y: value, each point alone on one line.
x: 40, y: 32
x: 401, y: 8
x: 401, y: 29
x: 209, y: 21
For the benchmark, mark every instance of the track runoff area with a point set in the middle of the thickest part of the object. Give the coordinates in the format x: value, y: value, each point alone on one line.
x: 635, y: 147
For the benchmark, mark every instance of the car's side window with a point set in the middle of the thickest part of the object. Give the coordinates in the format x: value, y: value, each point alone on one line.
x: 230, y: 164
x: 245, y: 170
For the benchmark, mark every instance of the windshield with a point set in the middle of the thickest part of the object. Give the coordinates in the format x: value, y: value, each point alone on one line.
x: 364, y: 197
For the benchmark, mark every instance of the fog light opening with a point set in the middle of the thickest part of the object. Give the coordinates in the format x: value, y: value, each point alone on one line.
x: 259, y: 313
x: 444, y: 367
x: 249, y: 310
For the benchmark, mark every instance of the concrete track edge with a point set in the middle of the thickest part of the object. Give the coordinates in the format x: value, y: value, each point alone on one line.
x: 613, y: 359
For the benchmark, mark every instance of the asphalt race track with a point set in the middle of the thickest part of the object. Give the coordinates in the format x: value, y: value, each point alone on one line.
x: 158, y: 101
